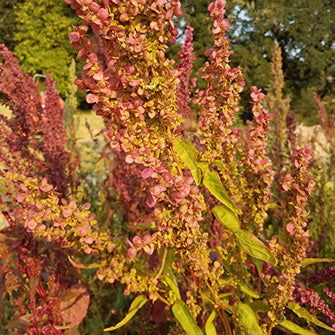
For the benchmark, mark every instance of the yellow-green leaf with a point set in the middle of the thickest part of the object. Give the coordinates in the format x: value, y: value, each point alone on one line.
x: 155, y: 82
x: 227, y: 218
x: 309, y: 261
x: 169, y: 276
x: 186, y: 152
x: 259, y: 306
x: 209, y: 326
x: 295, y: 328
x: 85, y: 266
x: 303, y: 313
x: 249, y: 291
x: 247, y: 319
x: 185, y: 318
x: 253, y: 246
x: 213, y: 183
x: 134, y: 307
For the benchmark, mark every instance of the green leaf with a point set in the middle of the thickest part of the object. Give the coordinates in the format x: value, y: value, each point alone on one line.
x: 203, y: 166
x: 134, y: 307
x: 247, y: 319
x: 213, y: 183
x: 169, y: 276
x: 85, y: 266
x: 185, y: 318
x: 249, y: 291
x: 309, y: 261
x: 303, y: 313
x: 187, y: 154
x: 253, y: 246
x: 3, y: 187
x: 259, y: 265
x: 209, y: 326
x: 259, y: 306
x: 155, y: 82
x: 295, y: 328
x: 227, y: 218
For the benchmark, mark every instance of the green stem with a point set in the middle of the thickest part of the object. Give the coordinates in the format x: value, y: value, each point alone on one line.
x: 163, y: 264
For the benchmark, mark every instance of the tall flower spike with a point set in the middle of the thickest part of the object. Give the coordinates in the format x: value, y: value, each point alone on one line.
x: 136, y: 96
x: 135, y: 93
x: 291, y: 125
x: 218, y: 103
x: 324, y: 120
x: 185, y: 66
x: 54, y: 138
x: 296, y: 186
x: 257, y: 166
x: 22, y: 96
x: 279, y: 107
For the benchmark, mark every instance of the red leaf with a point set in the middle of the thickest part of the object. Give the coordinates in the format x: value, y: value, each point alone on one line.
x: 74, y: 303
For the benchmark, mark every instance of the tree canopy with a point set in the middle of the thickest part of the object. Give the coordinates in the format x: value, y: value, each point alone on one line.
x: 7, y: 22
x: 305, y: 30
x: 41, y: 36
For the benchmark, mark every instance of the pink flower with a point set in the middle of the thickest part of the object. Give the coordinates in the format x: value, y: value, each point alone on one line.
x: 148, y: 249
x: 151, y: 201
x: 74, y: 37
x: 132, y: 252
x: 66, y: 212
x: 137, y: 241
x: 91, y: 98
x: 290, y: 228
x: 147, y: 172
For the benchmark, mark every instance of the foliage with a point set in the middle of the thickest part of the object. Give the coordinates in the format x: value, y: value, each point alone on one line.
x: 7, y: 21
x: 41, y: 39
x: 175, y: 219
x: 256, y: 26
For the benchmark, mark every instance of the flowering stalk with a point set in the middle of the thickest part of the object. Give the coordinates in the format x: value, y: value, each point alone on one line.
x: 291, y: 125
x: 297, y: 185
x: 315, y: 304
x: 257, y: 166
x: 185, y: 66
x: 138, y: 104
x: 218, y: 103
x: 23, y: 99
x: 325, y: 123
x: 279, y: 107
x: 54, y: 138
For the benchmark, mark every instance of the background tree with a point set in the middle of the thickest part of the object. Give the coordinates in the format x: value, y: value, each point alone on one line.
x: 7, y: 22
x: 42, y: 38
x: 305, y: 30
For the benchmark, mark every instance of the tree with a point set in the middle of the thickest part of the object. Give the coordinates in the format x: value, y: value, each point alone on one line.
x: 42, y: 38
x: 305, y: 30
x: 7, y: 22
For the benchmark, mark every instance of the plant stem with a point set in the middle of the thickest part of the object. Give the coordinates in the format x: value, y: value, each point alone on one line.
x: 270, y: 328
x: 219, y: 310
x: 163, y: 299
x: 169, y: 137
x: 163, y: 264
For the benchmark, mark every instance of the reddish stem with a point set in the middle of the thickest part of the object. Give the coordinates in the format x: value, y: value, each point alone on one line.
x: 6, y: 215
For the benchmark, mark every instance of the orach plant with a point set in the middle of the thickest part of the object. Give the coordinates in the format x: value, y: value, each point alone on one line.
x: 193, y: 237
